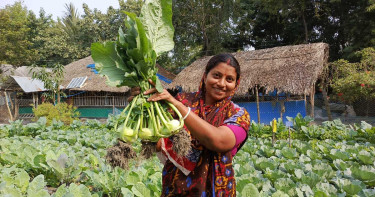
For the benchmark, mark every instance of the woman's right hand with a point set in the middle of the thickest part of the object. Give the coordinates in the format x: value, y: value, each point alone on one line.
x: 134, y: 91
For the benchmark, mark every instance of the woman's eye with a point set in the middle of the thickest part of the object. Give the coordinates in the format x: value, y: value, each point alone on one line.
x: 230, y: 79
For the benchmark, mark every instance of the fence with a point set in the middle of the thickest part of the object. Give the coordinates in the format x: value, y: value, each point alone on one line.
x: 269, y: 110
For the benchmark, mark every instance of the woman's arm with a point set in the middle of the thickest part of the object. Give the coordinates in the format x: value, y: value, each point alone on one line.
x: 219, y: 139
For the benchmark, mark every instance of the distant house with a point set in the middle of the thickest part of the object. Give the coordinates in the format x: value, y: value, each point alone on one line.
x: 18, y: 92
x: 283, y: 77
x: 88, y: 91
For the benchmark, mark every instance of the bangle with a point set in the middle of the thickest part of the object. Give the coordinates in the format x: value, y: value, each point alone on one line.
x: 189, y: 109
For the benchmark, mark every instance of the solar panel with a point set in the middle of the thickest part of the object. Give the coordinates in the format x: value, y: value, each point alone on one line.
x: 77, y: 82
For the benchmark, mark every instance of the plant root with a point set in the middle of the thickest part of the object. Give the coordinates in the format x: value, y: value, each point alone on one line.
x: 181, y: 143
x: 120, y: 154
x: 148, y: 149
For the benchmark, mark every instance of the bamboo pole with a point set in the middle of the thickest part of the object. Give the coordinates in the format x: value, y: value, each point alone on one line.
x: 312, y: 94
x: 304, y: 95
x: 113, y: 105
x: 7, y: 103
x: 16, y: 107
x: 326, y: 103
x: 34, y: 99
x: 257, y: 98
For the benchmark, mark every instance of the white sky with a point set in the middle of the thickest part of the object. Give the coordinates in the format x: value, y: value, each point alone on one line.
x: 57, y: 7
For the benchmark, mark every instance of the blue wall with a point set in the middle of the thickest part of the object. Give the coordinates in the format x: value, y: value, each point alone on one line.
x: 269, y: 111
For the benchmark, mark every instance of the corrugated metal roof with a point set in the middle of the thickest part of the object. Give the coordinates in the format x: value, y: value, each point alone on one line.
x: 29, y: 85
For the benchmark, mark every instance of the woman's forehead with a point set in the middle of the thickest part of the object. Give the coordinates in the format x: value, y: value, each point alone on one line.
x: 224, y: 68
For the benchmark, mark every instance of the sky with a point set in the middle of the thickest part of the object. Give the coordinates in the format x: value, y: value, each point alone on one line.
x: 57, y: 7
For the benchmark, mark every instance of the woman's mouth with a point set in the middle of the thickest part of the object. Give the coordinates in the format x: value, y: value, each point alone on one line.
x: 219, y: 91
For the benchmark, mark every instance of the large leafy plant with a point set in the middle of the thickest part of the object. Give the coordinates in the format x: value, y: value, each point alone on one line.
x: 131, y: 61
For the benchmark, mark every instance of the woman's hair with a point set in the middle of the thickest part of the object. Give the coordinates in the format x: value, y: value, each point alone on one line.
x: 223, y: 58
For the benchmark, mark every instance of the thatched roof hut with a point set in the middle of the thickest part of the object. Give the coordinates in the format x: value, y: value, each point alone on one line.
x: 292, y: 69
x: 95, y: 82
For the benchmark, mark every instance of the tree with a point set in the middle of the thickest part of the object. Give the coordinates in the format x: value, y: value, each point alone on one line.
x: 14, y: 43
x: 52, y: 79
x: 38, y: 27
x: 354, y: 82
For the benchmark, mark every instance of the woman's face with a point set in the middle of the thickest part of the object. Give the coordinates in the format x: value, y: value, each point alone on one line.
x: 220, y: 82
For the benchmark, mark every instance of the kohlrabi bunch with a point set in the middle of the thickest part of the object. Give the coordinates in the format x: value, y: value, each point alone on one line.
x: 130, y: 61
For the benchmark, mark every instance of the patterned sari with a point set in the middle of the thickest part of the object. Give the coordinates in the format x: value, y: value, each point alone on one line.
x: 203, y: 172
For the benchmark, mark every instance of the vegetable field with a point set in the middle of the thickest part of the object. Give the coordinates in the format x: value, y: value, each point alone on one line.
x: 68, y: 160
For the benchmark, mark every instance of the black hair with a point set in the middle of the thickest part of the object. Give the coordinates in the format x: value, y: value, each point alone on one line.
x: 223, y: 58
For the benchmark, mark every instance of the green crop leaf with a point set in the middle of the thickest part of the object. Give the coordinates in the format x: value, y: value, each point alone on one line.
x: 250, y: 190
x: 279, y: 193
x: 365, y: 174
x: 132, y: 178
x: 126, y: 192
x: 108, y: 62
x: 142, y: 41
x: 36, y: 187
x: 353, y: 187
x: 157, y: 19
x: 158, y: 85
x: 140, y: 189
x: 10, y: 191
x: 79, y: 190
x: 22, y: 180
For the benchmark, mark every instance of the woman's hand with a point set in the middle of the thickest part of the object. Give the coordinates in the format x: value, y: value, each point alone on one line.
x: 157, y: 96
x: 134, y: 91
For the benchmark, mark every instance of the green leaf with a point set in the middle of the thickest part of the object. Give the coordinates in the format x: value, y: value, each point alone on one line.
x: 250, y: 190
x: 36, y: 187
x: 156, y: 17
x: 140, y: 189
x: 12, y: 192
x: 79, y: 190
x: 61, y: 191
x: 158, y: 85
x: 126, y: 192
x: 132, y: 178
x: 320, y: 194
x: 108, y: 62
x: 354, y: 187
x: 142, y: 41
x: 22, y: 180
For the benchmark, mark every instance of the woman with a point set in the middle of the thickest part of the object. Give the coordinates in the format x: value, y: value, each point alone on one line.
x: 218, y: 128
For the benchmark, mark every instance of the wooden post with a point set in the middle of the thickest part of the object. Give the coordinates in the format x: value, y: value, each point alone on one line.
x: 257, y: 98
x: 312, y: 100
x: 58, y: 96
x: 7, y: 103
x: 37, y: 100
x: 16, y: 107
x: 304, y: 95
x: 282, y: 109
x: 113, y: 105
x: 326, y: 103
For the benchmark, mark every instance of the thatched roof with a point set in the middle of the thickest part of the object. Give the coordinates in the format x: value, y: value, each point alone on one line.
x: 22, y: 71
x: 292, y: 69
x: 94, y: 81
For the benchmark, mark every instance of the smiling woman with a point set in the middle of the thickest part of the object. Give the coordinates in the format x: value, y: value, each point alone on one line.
x: 217, y: 128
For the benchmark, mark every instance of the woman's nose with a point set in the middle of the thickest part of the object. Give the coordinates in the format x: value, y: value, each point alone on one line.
x: 221, y: 82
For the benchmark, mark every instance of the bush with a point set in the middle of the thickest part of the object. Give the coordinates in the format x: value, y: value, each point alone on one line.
x: 61, y: 112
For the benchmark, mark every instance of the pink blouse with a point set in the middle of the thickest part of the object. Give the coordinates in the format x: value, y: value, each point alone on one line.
x: 240, y: 135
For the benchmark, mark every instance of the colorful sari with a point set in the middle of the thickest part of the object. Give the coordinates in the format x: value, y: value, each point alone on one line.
x: 203, y: 172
